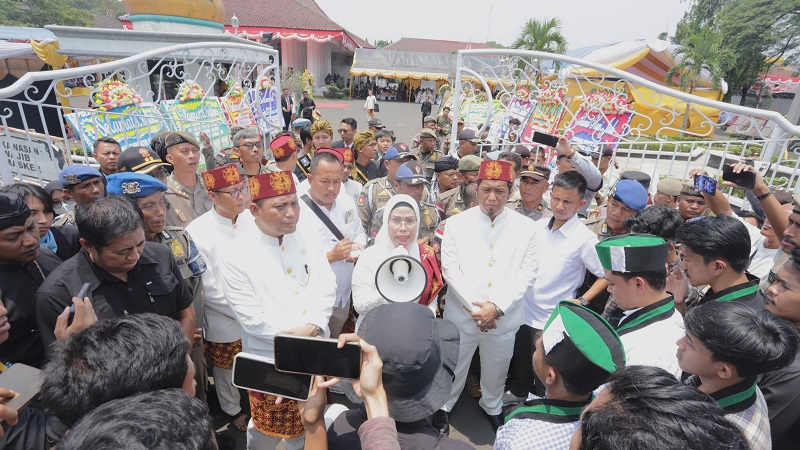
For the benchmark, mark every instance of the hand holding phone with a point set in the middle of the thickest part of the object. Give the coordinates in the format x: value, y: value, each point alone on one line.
x: 258, y: 373
x: 744, y: 178
x: 19, y: 384
x: 544, y: 139
x: 315, y: 356
x: 705, y: 184
x: 77, y: 317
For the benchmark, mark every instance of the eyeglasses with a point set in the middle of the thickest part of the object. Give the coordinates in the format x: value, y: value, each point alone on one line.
x: 236, y: 193
x: 342, y: 131
x: 409, y: 223
x: 161, y: 174
x: 252, y: 145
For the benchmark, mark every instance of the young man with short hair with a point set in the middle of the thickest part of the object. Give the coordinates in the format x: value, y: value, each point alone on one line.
x: 569, y: 247
x: 726, y: 346
x: 781, y: 387
x: 715, y: 251
x: 186, y: 192
x: 645, y: 319
x: 575, y: 354
x: 106, y: 152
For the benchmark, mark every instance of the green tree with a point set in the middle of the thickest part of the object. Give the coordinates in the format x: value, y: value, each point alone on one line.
x: 380, y: 43
x: 38, y: 13
x: 494, y: 44
x: 699, y: 58
x: 541, y: 35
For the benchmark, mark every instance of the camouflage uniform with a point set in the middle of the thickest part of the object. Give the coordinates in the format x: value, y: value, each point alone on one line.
x: 185, y: 205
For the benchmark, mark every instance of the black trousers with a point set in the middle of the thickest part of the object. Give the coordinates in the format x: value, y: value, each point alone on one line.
x: 287, y: 120
x: 522, y: 379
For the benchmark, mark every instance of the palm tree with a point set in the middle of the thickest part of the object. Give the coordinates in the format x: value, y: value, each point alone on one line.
x: 701, y: 57
x: 541, y: 36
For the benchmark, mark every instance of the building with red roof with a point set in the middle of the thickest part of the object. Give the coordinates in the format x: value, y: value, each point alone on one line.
x: 433, y: 46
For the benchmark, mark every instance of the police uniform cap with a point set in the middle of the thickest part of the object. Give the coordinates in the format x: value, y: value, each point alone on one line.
x: 469, y: 163
x: 134, y: 185
x: 635, y: 175
x: 174, y: 138
x: 631, y: 193
x: 669, y: 186
x: 427, y: 133
x: 411, y: 172
x: 429, y: 119
x: 76, y: 174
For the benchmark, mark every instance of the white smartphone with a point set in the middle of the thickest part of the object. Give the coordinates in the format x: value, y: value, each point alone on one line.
x: 258, y: 373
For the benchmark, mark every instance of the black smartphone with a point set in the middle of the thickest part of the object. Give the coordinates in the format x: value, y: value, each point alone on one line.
x: 22, y: 379
x: 258, y: 373
x: 706, y: 184
x: 746, y: 180
x: 545, y: 139
x: 81, y: 295
x: 298, y: 354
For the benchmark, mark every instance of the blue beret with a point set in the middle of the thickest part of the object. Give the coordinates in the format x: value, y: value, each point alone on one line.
x: 135, y: 185
x: 631, y: 193
x: 76, y: 174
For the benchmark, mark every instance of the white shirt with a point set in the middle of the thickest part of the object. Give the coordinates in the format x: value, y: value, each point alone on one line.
x: 485, y: 260
x: 762, y: 261
x: 211, y: 234
x: 655, y: 344
x: 275, y: 286
x: 344, y: 216
x: 564, y: 257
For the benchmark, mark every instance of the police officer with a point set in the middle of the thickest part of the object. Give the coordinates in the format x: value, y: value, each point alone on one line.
x: 376, y: 193
x: 186, y: 191
x: 82, y: 184
x: 627, y: 198
x: 533, y: 183
x: 446, y: 177
x: 143, y: 160
x: 451, y: 202
x: 147, y: 193
x: 410, y: 180
x: 428, y: 122
x: 427, y: 154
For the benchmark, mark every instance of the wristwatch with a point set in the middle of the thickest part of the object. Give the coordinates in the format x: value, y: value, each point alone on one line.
x: 498, y: 312
x: 583, y: 301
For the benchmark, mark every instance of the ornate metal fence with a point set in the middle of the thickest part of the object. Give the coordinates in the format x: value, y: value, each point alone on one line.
x: 652, y: 128
x: 51, y: 118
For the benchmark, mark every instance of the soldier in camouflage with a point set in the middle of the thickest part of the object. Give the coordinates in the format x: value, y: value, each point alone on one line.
x: 427, y: 154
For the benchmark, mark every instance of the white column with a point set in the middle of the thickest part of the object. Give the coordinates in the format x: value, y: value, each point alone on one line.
x: 319, y: 61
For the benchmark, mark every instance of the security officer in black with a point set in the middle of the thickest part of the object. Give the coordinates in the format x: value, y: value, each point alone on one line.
x: 126, y: 274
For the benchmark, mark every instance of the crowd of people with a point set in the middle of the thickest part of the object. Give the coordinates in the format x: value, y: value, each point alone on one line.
x: 654, y: 317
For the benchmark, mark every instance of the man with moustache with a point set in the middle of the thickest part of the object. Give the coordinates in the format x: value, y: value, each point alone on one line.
x: 23, y: 267
x: 212, y: 233
x: 276, y: 280
x: 487, y: 280
x: 186, y: 192
x: 82, y: 184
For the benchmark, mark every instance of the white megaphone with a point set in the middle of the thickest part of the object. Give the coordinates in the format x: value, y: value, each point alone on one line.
x: 401, y: 278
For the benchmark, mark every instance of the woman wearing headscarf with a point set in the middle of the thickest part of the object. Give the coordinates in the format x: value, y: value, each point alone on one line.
x: 366, y: 147
x: 400, y: 229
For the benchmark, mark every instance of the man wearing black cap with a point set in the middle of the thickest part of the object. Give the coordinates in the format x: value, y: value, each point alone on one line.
x: 533, y: 183
x: 447, y: 177
x: 144, y: 160
x: 467, y: 144
x: 375, y: 125
x: 428, y: 122
x: 419, y: 354
x: 376, y: 193
x: 575, y: 354
x: 186, y: 191
x: 427, y: 154
x: 23, y: 267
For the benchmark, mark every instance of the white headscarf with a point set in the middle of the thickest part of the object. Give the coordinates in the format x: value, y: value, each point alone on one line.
x: 383, y: 239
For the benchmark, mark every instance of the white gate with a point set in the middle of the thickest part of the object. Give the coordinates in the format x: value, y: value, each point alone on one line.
x: 49, y: 119
x: 654, y: 139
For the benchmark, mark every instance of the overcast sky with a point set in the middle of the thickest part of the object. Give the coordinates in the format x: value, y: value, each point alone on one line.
x: 584, y: 22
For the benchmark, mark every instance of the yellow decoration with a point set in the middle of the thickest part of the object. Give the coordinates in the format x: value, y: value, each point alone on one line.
x: 280, y: 182
x: 49, y: 53
x: 177, y: 249
x: 211, y: 10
